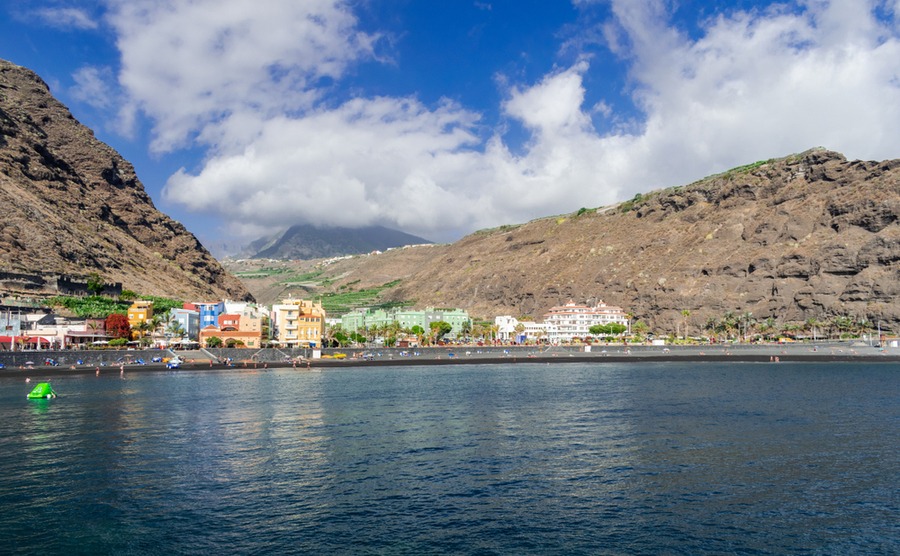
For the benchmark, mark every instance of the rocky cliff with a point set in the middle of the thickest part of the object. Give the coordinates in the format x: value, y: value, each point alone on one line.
x: 808, y: 236
x: 72, y: 205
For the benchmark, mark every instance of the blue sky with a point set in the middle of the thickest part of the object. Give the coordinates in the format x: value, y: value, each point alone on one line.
x: 441, y: 118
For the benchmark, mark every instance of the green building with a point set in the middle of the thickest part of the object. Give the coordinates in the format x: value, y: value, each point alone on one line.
x: 367, y: 318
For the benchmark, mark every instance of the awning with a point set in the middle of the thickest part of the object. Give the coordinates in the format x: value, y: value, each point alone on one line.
x: 25, y: 339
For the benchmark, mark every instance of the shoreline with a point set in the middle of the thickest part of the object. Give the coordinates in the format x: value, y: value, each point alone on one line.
x: 439, y: 357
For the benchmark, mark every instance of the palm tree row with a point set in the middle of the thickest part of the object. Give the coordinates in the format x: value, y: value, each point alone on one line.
x: 391, y: 332
x: 745, y: 327
x: 159, y: 326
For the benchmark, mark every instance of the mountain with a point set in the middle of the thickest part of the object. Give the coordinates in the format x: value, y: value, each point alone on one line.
x: 808, y: 236
x: 308, y: 242
x: 73, y: 206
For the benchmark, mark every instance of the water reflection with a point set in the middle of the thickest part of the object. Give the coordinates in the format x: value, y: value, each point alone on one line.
x: 573, y: 458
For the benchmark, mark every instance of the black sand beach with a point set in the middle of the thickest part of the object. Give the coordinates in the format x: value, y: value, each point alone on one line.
x: 468, y: 355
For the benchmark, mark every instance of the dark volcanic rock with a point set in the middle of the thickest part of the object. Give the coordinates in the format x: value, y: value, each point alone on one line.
x: 74, y: 206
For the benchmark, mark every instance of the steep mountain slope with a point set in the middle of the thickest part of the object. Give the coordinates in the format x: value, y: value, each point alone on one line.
x: 72, y: 205
x: 810, y: 236
x: 307, y: 242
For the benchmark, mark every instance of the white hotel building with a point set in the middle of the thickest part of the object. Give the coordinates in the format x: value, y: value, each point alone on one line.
x: 574, y: 321
x: 561, y: 324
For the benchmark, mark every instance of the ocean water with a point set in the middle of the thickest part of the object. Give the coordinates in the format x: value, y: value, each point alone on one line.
x: 507, y: 459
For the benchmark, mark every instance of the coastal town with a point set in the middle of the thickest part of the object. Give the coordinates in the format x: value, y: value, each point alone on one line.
x: 296, y: 323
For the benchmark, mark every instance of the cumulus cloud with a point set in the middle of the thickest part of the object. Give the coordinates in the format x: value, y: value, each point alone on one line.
x: 252, y: 82
x: 191, y: 66
x: 761, y: 84
x: 397, y: 162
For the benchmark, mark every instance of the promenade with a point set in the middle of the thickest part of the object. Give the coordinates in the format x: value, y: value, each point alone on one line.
x: 116, y: 362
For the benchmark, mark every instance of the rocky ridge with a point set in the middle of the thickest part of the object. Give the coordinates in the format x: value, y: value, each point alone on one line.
x: 808, y: 236
x: 73, y: 205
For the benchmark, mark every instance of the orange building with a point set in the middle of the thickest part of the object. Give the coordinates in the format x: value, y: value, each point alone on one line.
x: 244, y: 330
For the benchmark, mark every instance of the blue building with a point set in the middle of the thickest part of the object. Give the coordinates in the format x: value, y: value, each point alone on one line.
x: 209, y: 312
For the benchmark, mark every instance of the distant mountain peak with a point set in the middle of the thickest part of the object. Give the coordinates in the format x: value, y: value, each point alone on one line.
x: 304, y: 241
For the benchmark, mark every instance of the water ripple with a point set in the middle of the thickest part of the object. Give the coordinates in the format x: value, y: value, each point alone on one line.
x: 569, y: 459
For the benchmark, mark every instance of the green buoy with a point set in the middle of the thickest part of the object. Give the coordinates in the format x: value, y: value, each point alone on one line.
x: 41, y: 391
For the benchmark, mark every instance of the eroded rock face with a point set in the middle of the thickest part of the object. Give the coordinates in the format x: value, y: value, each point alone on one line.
x: 808, y: 236
x: 72, y: 205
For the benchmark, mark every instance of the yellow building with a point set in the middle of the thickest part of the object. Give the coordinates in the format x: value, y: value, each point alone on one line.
x: 140, y: 311
x: 300, y: 322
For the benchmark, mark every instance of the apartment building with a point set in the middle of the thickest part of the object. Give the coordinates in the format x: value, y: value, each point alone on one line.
x: 565, y: 322
x: 298, y: 323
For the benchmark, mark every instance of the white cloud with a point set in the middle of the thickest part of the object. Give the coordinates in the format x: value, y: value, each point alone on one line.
x: 394, y: 161
x: 251, y: 81
x: 66, y: 18
x: 92, y: 87
x: 189, y: 65
x: 553, y: 106
x: 764, y: 84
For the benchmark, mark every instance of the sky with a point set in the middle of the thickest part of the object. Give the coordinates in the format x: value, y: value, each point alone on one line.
x: 442, y: 118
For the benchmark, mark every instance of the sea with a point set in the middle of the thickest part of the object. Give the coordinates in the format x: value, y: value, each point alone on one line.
x: 570, y: 458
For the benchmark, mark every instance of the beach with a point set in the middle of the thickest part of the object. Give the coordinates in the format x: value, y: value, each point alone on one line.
x: 116, y: 362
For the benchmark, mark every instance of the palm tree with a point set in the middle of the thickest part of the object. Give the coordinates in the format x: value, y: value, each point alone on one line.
x: 728, y: 324
x: 477, y: 331
x: 811, y: 324
x: 330, y: 332
x: 391, y: 331
x: 142, y: 328
x: 156, y: 322
x: 175, y: 330
x: 862, y: 325
x: 792, y: 328
x: 639, y: 329
x: 843, y: 324
x: 766, y: 327
x: 167, y: 319
x: 684, y: 317
x: 748, y: 324
x: 466, y: 329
